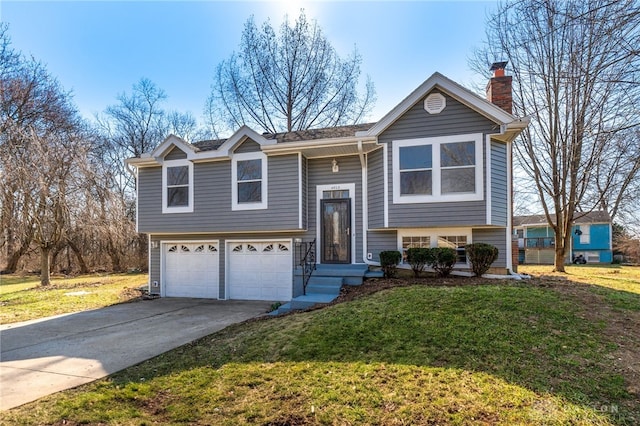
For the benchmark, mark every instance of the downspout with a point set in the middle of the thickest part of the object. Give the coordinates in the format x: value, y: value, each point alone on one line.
x: 365, y: 205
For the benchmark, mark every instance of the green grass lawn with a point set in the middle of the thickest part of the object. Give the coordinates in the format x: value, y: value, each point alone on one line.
x: 22, y: 298
x: 536, y: 352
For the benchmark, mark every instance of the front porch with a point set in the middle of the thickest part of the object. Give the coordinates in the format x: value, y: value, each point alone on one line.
x: 322, y: 283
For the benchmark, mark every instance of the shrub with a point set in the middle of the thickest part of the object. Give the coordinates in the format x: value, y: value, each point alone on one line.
x: 443, y: 260
x: 418, y: 257
x: 481, y: 256
x: 388, y: 260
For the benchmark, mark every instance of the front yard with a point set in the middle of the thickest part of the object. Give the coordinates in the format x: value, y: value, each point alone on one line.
x: 22, y: 298
x: 557, y: 349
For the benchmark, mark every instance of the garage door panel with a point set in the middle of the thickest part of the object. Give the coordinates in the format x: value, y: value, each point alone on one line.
x: 260, y: 270
x: 192, y: 270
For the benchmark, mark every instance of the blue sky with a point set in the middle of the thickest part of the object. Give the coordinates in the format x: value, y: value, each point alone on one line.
x: 100, y: 49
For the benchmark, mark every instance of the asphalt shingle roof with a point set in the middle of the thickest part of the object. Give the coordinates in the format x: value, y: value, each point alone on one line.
x: 296, y: 136
x: 599, y: 216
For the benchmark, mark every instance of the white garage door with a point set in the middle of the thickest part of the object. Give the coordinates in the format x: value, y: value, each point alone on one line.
x: 260, y: 270
x: 191, y: 269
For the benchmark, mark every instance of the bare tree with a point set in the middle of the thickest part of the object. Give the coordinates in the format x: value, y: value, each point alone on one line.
x: 31, y: 104
x: 576, y: 73
x: 291, y: 80
x: 133, y: 126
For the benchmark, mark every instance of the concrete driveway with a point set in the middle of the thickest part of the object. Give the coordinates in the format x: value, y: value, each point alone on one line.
x: 41, y: 357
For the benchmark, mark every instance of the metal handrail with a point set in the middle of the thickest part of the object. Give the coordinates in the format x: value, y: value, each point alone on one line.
x: 308, y: 263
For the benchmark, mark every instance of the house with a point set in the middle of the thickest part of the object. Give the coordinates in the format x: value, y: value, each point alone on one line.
x: 227, y: 219
x: 591, y: 238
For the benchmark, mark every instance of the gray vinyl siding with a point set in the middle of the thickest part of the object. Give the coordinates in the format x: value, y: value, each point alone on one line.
x: 319, y: 173
x: 175, y: 154
x: 248, y: 146
x: 496, y: 237
x: 155, y: 272
x: 154, y: 265
x: 375, y: 190
x: 499, y: 188
x: 212, y: 200
x: 455, y: 119
x: 378, y: 241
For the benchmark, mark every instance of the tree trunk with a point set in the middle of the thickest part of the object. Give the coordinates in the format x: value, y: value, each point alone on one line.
x: 83, y: 265
x: 559, y: 260
x: 54, y: 258
x: 13, y: 259
x: 45, y: 275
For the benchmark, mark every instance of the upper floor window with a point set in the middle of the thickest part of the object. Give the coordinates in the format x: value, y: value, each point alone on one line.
x: 249, y: 180
x: 177, y: 186
x: 438, y: 169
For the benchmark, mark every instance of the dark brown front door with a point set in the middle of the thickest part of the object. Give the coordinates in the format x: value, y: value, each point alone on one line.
x: 336, y: 230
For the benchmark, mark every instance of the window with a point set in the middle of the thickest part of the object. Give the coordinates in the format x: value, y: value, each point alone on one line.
x: 438, y: 169
x: 177, y: 186
x: 416, y: 170
x: 457, y: 162
x: 249, y: 176
x: 414, y: 242
x: 455, y: 238
x: 585, y: 234
x: 456, y: 242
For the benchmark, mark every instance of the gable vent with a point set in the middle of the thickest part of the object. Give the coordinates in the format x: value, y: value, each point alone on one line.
x: 435, y: 103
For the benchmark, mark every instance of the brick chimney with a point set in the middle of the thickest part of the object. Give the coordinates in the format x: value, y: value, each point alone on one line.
x: 499, y: 87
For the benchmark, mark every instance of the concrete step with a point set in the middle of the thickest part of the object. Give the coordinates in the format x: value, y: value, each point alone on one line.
x: 309, y: 300
x: 324, y: 285
x: 304, y: 302
x: 351, y: 273
x: 374, y: 274
x: 282, y: 309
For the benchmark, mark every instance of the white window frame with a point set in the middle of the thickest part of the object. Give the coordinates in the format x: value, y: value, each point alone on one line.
x: 436, y: 195
x: 433, y: 235
x: 585, y: 236
x: 262, y: 204
x: 177, y: 209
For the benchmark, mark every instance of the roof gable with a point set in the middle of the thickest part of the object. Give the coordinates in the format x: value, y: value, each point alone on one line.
x: 168, y: 144
x: 456, y: 91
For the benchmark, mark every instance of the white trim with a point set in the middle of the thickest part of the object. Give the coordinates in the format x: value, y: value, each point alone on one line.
x: 227, y: 252
x: 454, y: 90
x: 149, y: 262
x: 385, y: 185
x: 182, y: 209
x: 137, y: 178
x: 300, y: 190
x: 226, y: 149
x: 488, y: 180
x: 433, y: 234
x: 351, y: 187
x: 365, y: 211
x: 262, y: 204
x: 436, y: 195
x: 162, y: 261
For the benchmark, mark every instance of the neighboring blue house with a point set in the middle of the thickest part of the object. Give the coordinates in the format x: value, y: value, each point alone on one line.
x: 235, y: 218
x: 591, y: 237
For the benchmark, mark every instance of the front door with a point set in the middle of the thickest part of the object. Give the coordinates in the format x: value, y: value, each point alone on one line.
x: 336, y: 230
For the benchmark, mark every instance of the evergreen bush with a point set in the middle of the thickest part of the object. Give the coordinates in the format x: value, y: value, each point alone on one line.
x: 418, y: 258
x: 388, y: 260
x: 443, y: 260
x: 481, y: 256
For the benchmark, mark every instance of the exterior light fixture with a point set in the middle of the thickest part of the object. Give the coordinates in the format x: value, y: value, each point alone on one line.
x: 334, y: 166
